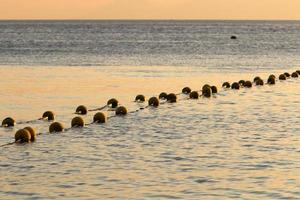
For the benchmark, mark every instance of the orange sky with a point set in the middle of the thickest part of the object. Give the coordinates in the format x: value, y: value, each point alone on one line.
x: 149, y: 9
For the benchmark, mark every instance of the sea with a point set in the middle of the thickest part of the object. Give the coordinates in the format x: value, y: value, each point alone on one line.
x: 238, y: 144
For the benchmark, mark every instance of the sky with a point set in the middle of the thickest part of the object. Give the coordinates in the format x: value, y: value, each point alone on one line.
x: 150, y: 9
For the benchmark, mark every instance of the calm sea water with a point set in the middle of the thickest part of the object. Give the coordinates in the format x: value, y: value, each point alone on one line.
x: 207, y: 44
x: 237, y: 145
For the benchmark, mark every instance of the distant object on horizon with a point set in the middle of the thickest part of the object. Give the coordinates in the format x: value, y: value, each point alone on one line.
x: 233, y: 37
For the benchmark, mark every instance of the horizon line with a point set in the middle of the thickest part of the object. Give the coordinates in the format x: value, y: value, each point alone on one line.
x: 116, y: 19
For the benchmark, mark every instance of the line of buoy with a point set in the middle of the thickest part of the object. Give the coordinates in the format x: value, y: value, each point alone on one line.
x: 28, y: 134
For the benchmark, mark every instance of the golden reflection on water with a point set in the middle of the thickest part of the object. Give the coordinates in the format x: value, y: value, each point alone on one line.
x: 242, y: 144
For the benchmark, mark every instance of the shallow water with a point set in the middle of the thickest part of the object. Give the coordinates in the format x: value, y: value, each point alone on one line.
x: 238, y: 145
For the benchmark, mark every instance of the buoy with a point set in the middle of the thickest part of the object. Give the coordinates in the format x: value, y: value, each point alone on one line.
x: 242, y: 82
x: 77, y: 122
x: 99, y: 118
x: 226, y: 85
x: 295, y: 75
x: 172, y: 98
x: 256, y: 78
x: 22, y: 136
x: 140, y: 98
x: 287, y: 74
x: 273, y: 76
x: 235, y: 86
x: 233, y: 37
x: 49, y: 115
x: 214, y: 89
x: 121, y: 111
x: 56, y: 127
x: 82, y: 110
x: 153, y: 101
x: 259, y: 82
x: 186, y: 90
x: 271, y: 80
x: 205, y: 86
x: 113, y: 103
x: 206, y: 92
x: 163, y: 95
x: 194, y: 95
x: 32, y: 133
x: 248, y: 84
x: 282, y: 77
x: 8, y: 122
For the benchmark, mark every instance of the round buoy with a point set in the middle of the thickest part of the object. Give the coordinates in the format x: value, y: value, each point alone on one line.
x: 235, y: 86
x: 287, y: 74
x: 153, y: 101
x: 81, y: 110
x: 186, y: 90
x: 194, y: 95
x: 273, y: 76
x: 56, y: 127
x: 163, y: 95
x: 77, y: 122
x: 113, y: 103
x: 32, y: 133
x: 271, y: 80
x: 8, y: 122
x: 214, y: 89
x: 49, y: 115
x: 242, y: 82
x: 205, y: 86
x: 294, y: 75
x: 248, y: 84
x: 140, y: 98
x: 226, y: 85
x: 172, y: 98
x: 22, y: 136
x: 282, y: 77
x: 99, y: 118
x: 259, y: 82
x: 206, y: 92
x: 121, y: 111
x: 256, y: 78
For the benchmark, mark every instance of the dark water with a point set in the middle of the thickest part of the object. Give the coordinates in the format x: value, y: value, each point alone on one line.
x: 207, y: 44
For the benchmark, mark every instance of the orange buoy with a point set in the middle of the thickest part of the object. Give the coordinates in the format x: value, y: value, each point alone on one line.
x: 140, y: 98
x: 282, y: 77
x: 226, y: 85
x: 113, y: 103
x: 153, y: 101
x: 81, y: 110
x: 77, y: 122
x: 121, y: 111
x: 259, y: 82
x: 99, y: 118
x: 163, y: 95
x: 32, y: 133
x: 186, y: 90
x: 172, y: 98
x: 248, y: 84
x: 214, y: 89
x: 22, y: 136
x: 194, y: 95
x: 235, y: 86
x: 49, y: 115
x: 8, y: 122
x: 56, y: 127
